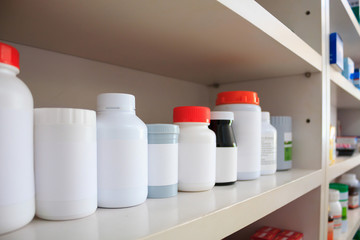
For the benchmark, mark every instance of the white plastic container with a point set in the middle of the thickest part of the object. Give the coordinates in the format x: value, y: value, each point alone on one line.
x: 335, y: 211
x: 268, y: 145
x: 122, y: 152
x: 197, y: 148
x: 283, y: 126
x: 226, y: 148
x: 247, y: 129
x: 65, y: 163
x: 349, y: 179
x: 163, y: 160
x: 17, y: 194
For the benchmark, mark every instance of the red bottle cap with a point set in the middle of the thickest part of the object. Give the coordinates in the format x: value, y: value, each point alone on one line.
x: 9, y: 55
x: 234, y: 97
x: 192, y: 114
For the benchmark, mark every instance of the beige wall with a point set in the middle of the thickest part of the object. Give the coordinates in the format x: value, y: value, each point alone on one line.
x: 59, y: 80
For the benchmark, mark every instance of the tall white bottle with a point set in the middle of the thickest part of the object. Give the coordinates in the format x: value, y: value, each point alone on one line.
x: 17, y: 195
x: 122, y: 152
x: 268, y: 145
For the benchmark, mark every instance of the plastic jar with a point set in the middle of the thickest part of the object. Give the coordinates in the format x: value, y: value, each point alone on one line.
x: 268, y: 145
x: 163, y: 160
x: 17, y: 194
x: 283, y: 127
x: 335, y: 211
x: 350, y: 180
x: 247, y: 129
x: 122, y: 152
x: 226, y: 148
x: 65, y: 163
x: 343, y: 199
x: 197, y: 148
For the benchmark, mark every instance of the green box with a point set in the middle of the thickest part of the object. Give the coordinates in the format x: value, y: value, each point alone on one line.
x: 356, y: 12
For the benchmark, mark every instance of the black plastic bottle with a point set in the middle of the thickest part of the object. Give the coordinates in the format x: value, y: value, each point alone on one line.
x: 226, y: 148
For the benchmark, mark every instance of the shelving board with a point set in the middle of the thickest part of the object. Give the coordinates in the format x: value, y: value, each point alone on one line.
x: 211, y: 214
x: 353, y: 224
x: 200, y: 41
x: 342, y: 165
x: 343, y: 21
x: 344, y: 94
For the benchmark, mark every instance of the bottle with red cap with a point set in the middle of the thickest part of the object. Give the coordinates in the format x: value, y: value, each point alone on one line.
x: 17, y: 196
x: 247, y: 129
x: 197, y: 148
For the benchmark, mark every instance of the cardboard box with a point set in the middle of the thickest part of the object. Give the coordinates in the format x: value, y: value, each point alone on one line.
x: 336, y: 52
x: 356, y: 78
x: 263, y: 236
x: 269, y: 230
x: 354, y: 4
x: 291, y: 235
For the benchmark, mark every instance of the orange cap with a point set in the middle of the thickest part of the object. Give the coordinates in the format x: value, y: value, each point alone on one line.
x: 233, y: 97
x: 191, y: 114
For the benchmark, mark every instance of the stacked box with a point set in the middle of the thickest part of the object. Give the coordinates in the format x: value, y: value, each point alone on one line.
x: 270, y: 233
x: 354, y: 4
x: 349, y: 68
x: 356, y: 79
x: 336, y: 51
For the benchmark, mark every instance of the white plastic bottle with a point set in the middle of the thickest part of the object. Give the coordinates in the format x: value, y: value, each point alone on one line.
x: 247, y: 129
x: 268, y: 145
x: 65, y: 163
x: 335, y: 211
x: 17, y: 195
x: 353, y: 183
x: 197, y: 148
x: 122, y: 152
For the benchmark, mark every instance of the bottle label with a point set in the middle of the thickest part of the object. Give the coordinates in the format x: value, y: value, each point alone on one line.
x: 353, y: 201
x: 337, y: 222
x: 16, y: 156
x: 344, y: 205
x: 268, y: 149
x: 163, y: 164
x: 287, y: 146
x: 226, y: 164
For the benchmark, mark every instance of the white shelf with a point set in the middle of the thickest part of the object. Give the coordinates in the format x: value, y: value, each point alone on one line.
x: 344, y: 93
x: 353, y: 224
x: 201, y: 41
x: 343, y: 21
x: 212, y: 214
x: 342, y: 165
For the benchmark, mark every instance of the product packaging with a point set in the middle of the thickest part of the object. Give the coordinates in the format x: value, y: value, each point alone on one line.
x: 336, y: 51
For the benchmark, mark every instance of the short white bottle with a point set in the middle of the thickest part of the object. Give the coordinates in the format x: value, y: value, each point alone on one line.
x: 268, y: 145
x: 197, y: 148
x: 17, y: 194
x: 122, y: 152
x: 335, y: 211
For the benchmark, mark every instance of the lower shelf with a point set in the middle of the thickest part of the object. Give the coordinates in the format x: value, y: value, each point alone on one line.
x: 212, y: 214
x: 353, y: 224
x: 342, y: 165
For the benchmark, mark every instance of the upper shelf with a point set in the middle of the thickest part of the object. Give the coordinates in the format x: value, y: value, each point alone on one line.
x: 343, y: 93
x: 343, y: 21
x: 212, y: 214
x: 201, y: 41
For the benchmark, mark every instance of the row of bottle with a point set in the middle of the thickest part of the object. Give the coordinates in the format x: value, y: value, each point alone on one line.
x: 78, y: 154
x: 343, y: 195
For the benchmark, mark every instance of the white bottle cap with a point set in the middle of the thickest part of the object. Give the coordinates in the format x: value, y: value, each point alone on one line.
x: 265, y: 116
x: 348, y: 177
x: 334, y: 195
x: 221, y: 115
x: 64, y: 116
x: 115, y: 101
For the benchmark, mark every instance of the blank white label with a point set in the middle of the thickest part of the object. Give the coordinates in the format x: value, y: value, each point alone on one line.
x: 163, y: 164
x: 226, y: 164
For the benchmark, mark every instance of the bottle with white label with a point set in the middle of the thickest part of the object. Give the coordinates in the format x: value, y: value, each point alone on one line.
x: 17, y: 194
x: 122, y: 152
x: 226, y: 148
x: 283, y: 127
x: 197, y: 148
x: 163, y: 160
x: 351, y: 180
x: 268, y: 145
x: 335, y: 211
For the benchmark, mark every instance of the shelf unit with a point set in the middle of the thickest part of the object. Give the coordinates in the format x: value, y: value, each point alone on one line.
x: 162, y: 51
